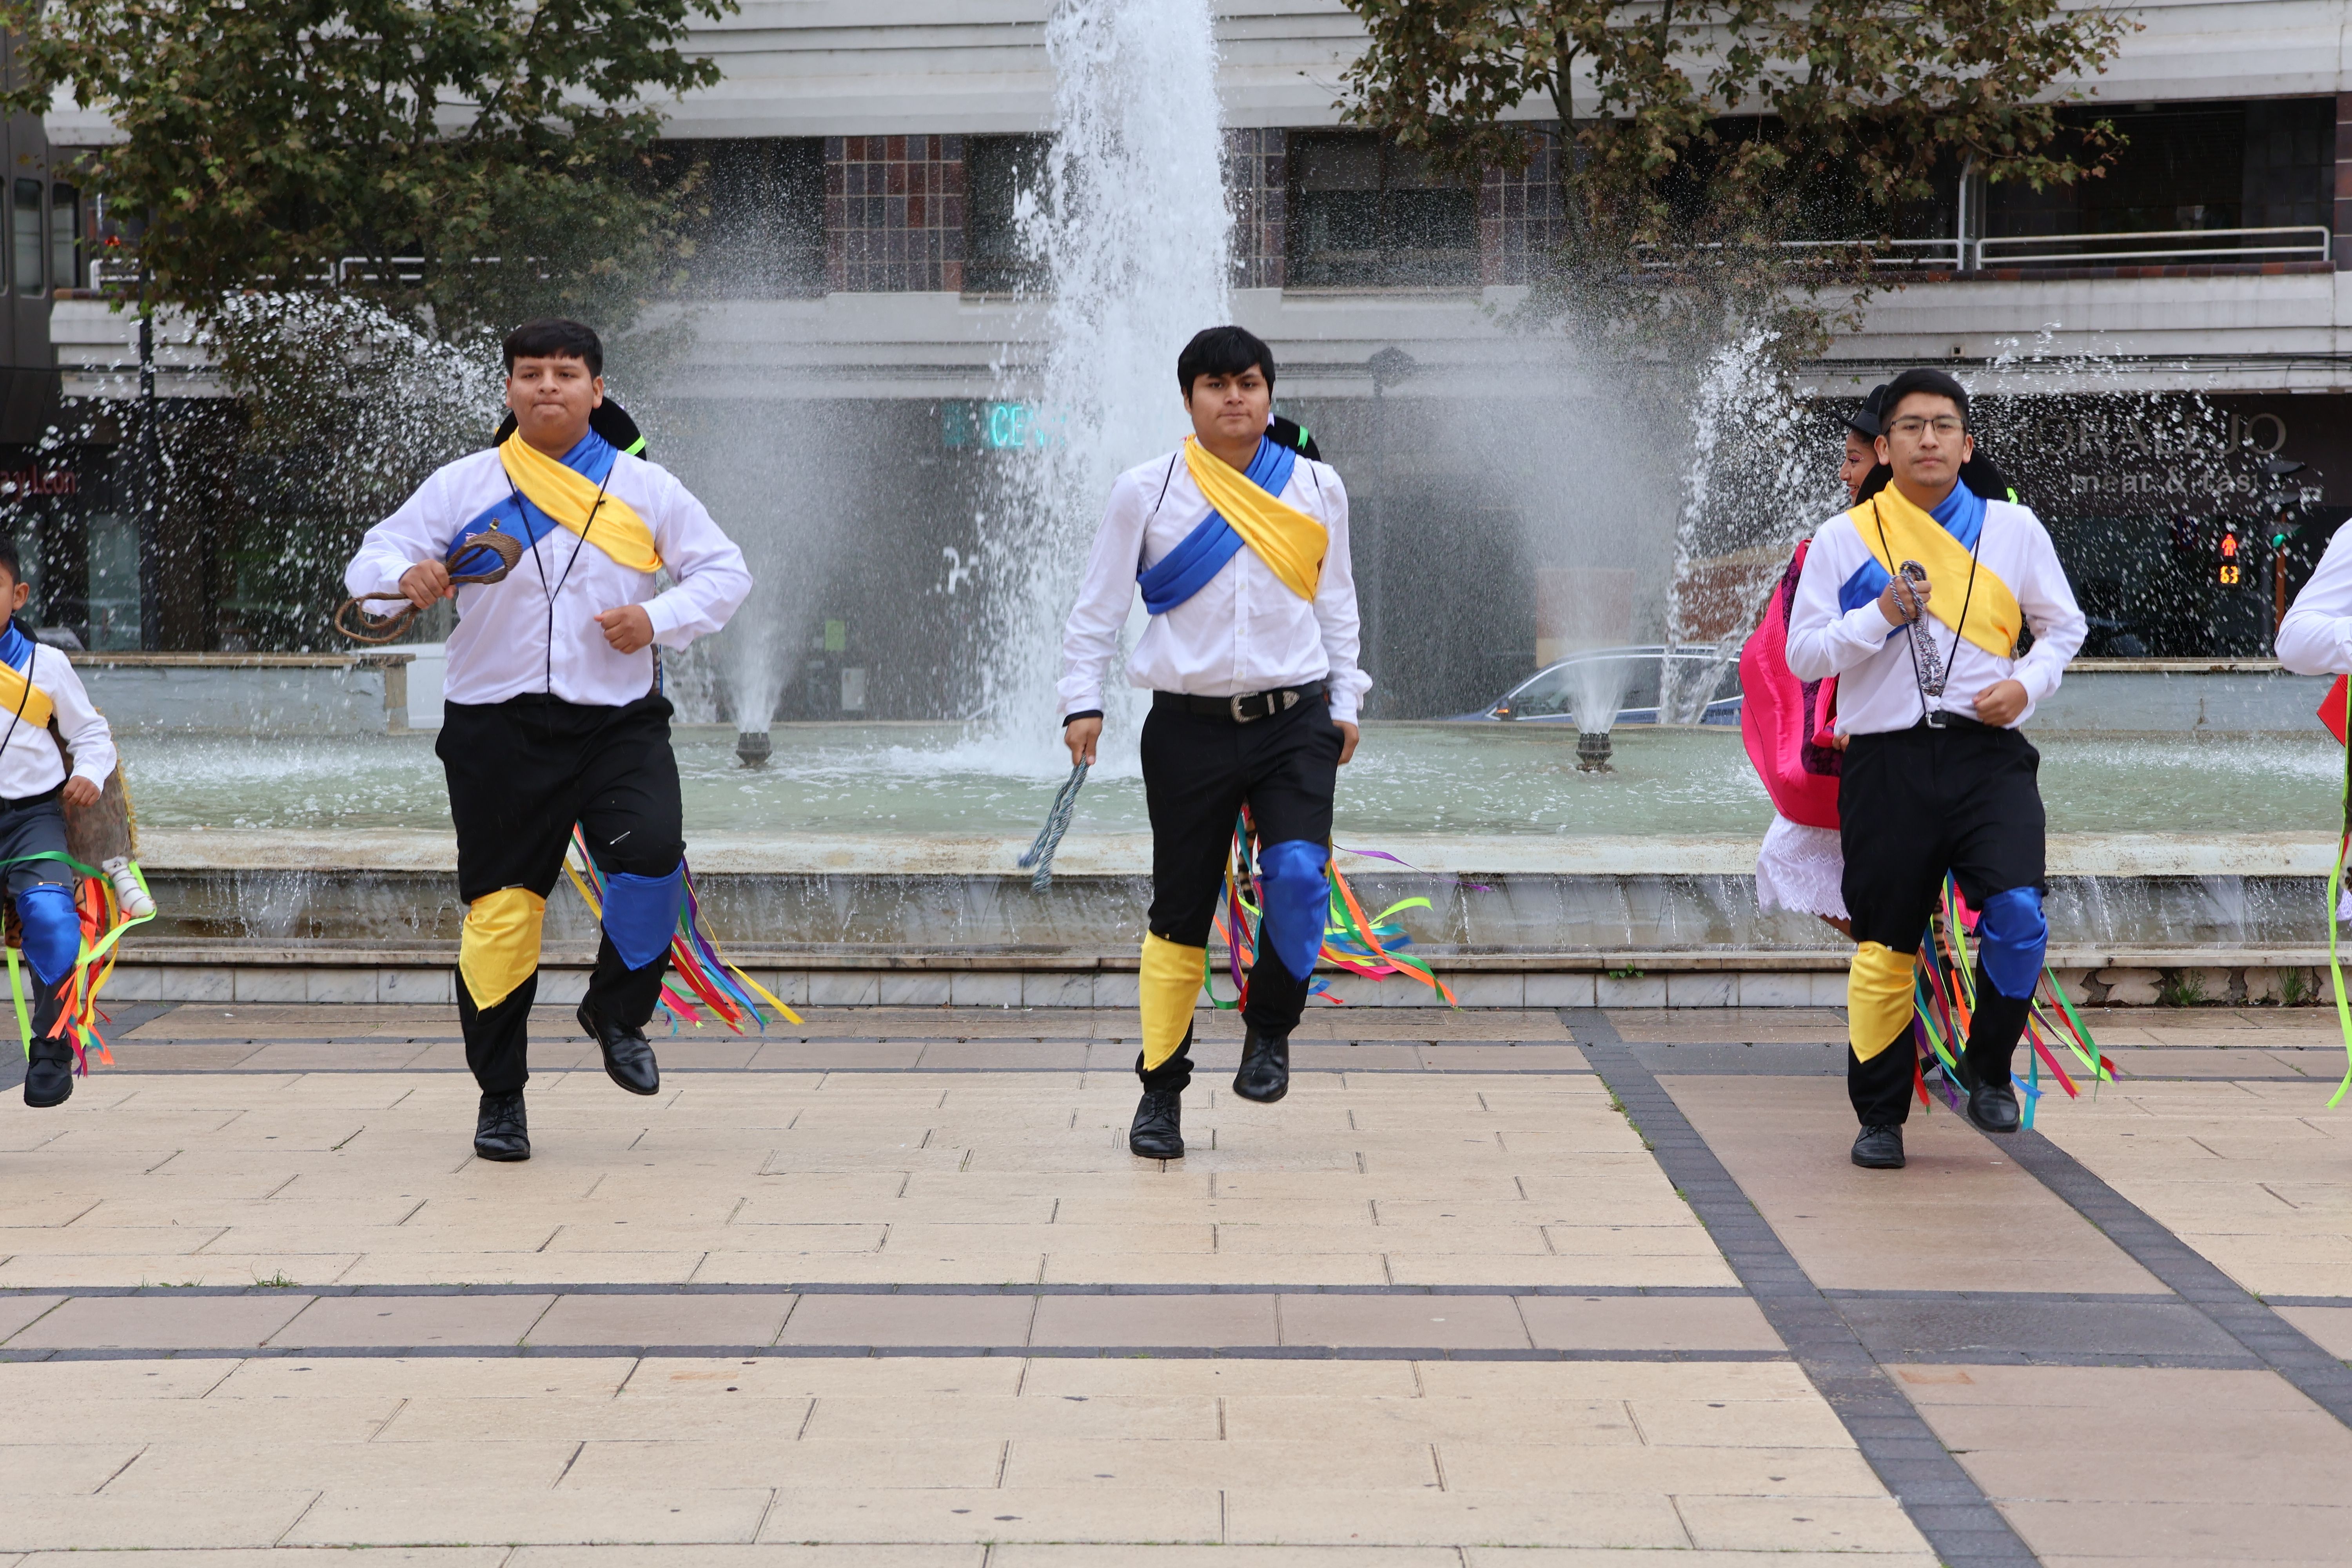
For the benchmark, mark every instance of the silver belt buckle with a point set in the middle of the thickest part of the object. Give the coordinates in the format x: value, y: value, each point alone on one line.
x: 1234, y: 704
x: 1934, y: 718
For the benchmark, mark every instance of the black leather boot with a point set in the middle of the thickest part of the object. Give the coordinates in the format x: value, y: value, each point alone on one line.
x: 50, y: 1070
x: 1879, y: 1148
x: 1264, y: 1072
x: 501, y: 1131
x: 628, y: 1055
x: 1157, y: 1132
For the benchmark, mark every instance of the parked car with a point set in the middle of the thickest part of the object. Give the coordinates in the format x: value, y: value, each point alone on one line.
x: 1549, y: 696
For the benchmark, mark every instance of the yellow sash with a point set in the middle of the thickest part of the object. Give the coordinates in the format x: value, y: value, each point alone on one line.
x: 16, y: 688
x: 1910, y: 534
x: 569, y: 496
x: 1285, y: 538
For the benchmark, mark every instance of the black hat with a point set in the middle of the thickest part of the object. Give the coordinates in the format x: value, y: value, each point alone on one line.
x: 1866, y: 420
x: 1923, y: 380
x: 608, y: 419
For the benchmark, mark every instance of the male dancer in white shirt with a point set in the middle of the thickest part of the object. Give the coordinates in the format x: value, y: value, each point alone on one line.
x: 553, y: 710
x: 1935, y: 777
x: 1239, y: 545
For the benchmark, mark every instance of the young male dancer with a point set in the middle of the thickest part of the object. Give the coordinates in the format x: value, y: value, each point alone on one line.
x: 553, y: 710
x: 37, y: 686
x: 1239, y: 546
x: 1935, y: 777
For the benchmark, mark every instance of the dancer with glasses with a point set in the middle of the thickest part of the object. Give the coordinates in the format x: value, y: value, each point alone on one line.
x: 1916, y: 600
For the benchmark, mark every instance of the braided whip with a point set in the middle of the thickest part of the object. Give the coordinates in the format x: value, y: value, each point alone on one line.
x: 1928, y: 665
x: 373, y: 629
x: 1049, y: 837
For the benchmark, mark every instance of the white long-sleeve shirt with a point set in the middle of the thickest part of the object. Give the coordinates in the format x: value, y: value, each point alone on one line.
x: 29, y: 762
x: 1878, y: 689
x: 501, y: 648
x: 2315, y: 637
x: 1246, y: 631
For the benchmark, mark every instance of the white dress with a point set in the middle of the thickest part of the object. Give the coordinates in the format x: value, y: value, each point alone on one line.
x: 1802, y: 870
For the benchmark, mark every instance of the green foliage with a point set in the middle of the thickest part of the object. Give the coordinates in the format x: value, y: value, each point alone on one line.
x: 478, y: 157
x: 1701, y: 134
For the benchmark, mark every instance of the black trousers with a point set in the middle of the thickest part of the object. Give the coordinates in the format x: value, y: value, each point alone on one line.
x: 1912, y: 804
x: 1199, y: 770
x: 521, y: 772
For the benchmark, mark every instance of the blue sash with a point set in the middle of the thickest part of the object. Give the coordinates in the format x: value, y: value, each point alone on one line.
x: 1202, y: 553
x: 1962, y: 513
x: 513, y: 512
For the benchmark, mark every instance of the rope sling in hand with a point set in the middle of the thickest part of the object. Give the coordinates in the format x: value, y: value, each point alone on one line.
x: 376, y: 629
x: 1049, y: 837
x: 1926, y: 664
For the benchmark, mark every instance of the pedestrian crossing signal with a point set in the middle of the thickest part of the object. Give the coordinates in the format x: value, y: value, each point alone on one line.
x: 2231, y: 572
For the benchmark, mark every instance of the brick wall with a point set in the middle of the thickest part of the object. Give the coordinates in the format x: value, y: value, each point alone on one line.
x: 1257, y: 184
x: 1518, y: 214
x: 894, y: 213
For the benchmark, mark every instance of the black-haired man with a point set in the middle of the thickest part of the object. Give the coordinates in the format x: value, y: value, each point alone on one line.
x: 553, y: 710
x: 1935, y: 778
x: 1239, y: 544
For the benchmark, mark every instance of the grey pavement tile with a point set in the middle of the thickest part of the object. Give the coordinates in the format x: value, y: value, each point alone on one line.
x: 415, y: 1321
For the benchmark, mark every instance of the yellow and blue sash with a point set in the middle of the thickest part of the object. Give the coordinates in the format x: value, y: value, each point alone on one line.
x: 1245, y: 508
x: 569, y: 492
x: 18, y: 692
x: 1944, y: 542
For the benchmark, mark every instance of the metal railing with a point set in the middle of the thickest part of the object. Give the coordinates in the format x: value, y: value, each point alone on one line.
x: 351, y: 268
x: 2300, y: 242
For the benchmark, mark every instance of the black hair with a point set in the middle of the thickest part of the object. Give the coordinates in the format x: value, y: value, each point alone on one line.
x: 553, y: 337
x: 1933, y: 382
x: 1223, y: 350
x: 12, y: 557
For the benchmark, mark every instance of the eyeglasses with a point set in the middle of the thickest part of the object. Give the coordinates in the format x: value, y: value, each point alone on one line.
x: 1911, y: 423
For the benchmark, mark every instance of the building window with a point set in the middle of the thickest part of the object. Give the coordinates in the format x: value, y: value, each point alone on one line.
x: 755, y: 215
x: 894, y: 213
x: 1365, y: 212
x: 28, y: 238
x: 65, y: 233
x: 997, y: 169
x: 2186, y: 166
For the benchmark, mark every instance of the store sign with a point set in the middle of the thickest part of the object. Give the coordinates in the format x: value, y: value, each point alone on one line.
x: 16, y: 483
x: 996, y: 426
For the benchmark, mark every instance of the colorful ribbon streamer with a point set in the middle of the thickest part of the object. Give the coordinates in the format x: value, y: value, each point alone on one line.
x: 1945, y: 997
x: 694, y: 955
x: 1369, y: 945
x: 103, y: 924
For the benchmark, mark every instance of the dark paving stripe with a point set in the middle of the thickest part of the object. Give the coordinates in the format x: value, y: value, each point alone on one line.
x: 2243, y: 1318
x: 701, y: 1352
x: 670, y: 1071
x: 1574, y: 1292
x: 1910, y: 1330
x: 1950, y: 1509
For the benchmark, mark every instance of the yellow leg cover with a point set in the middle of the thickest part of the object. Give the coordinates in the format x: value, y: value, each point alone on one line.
x: 499, y: 947
x: 1169, y: 984
x: 1878, y: 998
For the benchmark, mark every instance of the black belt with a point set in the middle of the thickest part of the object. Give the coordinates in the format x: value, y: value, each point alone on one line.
x: 22, y: 802
x: 1944, y: 720
x: 1246, y: 708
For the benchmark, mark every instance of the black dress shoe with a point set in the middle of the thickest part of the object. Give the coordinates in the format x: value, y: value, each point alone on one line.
x: 1879, y: 1148
x: 48, y: 1074
x: 628, y: 1058
x: 1992, y: 1108
x: 499, y: 1131
x: 1265, y: 1074
x: 1158, y: 1133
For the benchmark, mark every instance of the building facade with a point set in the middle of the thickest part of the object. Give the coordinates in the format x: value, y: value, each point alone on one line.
x: 864, y: 275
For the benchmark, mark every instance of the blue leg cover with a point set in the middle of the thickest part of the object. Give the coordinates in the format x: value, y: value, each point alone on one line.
x: 1298, y: 901
x: 52, y: 930
x: 641, y: 913
x: 2012, y: 937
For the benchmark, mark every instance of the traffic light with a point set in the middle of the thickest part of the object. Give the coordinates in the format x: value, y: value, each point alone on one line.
x: 2231, y: 570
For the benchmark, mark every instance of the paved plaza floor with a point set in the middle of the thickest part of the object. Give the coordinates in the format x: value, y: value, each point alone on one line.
x: 1530, y: 1288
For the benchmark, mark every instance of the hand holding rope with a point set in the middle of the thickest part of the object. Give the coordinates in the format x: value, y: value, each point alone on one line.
x: 373, y: 629
x: 1049, y: 837
x: 1927, y: 663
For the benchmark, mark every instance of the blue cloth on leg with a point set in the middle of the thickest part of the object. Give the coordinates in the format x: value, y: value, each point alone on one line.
x: 52, y: 930
x: 1297, y: 901
x: 641, y: 913
x: 2012, y: 935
